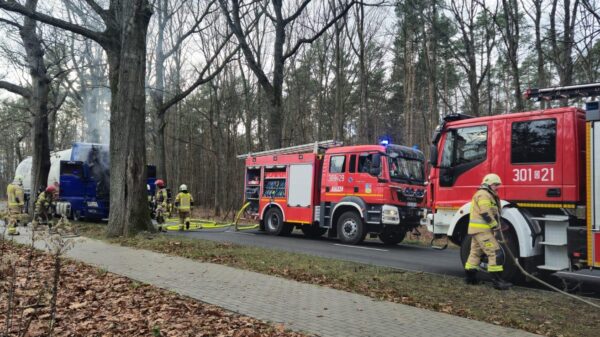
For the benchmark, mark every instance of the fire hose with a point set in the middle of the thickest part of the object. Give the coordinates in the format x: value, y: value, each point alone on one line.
x: 199, y: 224
x: 516, y: 262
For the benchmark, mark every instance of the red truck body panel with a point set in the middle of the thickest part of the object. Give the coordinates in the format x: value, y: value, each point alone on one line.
x: 558, y: 180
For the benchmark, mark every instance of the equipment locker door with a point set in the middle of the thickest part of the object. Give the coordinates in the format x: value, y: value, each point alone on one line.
x: 300, y: 190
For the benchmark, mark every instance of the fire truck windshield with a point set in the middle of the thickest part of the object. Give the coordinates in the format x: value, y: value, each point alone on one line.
x: 406, y: 169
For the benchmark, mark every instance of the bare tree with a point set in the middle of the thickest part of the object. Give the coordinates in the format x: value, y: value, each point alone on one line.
x: 212, y: 45
x: 236, y: 13
x: 124, y: 40
x: 472, y: 34
x: 507, y: 19
x: 37, y: 96
x: 562, y: 42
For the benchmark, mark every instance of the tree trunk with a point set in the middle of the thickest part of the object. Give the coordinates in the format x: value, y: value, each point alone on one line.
x: 539, y: 47
x: 365, y: 121
x: 38, y: 102
x: 338, y: 114
x: 158, y: 93
x: 128, y: 202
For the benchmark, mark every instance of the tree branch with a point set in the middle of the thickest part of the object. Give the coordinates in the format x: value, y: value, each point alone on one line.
x: 12, y: 23
x: 99, y: 10
x: 235, y: 25
x: 15, y: 89
x: 15, y: 7
x: 297, y: 14
x: 319, y: 33
x: 201, y: 79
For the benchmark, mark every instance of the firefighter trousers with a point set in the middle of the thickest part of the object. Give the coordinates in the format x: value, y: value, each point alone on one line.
x: 483, y: 243
x: 14, y: 215
x: 184, y: 216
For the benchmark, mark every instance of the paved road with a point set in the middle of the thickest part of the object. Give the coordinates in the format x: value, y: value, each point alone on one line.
x: 407, y: 257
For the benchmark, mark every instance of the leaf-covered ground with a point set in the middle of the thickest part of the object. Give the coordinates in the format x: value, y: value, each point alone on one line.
x: 537, y: 311
x: 93, y: 302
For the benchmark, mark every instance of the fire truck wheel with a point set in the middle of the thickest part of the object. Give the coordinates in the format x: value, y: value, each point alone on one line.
x: 392, y: 236
x: 350, y: 228
x: 274, y: 224
x: 313, y: 231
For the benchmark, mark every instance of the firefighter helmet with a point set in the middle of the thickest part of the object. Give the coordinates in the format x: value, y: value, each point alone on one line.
x: 159, y: 183
x: 51, y: 189
x: 18, y: 180
x: 491, y: 179
x: 183, y: 188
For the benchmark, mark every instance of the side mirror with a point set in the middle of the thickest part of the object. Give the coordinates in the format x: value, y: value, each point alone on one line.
x: 433, y: 156
x: 375, y: 169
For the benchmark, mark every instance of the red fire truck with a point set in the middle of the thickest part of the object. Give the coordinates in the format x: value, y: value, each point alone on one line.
x: 548, y: 162
x: 347, y: 191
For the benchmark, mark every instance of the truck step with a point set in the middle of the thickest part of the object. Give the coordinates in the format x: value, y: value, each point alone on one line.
x: 551, y: 267
x: 552, y: 218
x: 551, y: 243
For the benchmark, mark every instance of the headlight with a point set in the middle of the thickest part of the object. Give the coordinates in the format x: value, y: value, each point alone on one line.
x: 390, y: 212
x: 390, y: 215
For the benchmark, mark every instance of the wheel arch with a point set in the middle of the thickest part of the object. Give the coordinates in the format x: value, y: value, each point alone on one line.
x: 269, y: 206
x: 348, y: 204
x: 512, y: 215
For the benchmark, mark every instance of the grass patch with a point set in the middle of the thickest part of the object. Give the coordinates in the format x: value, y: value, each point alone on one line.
x: 536, y: 311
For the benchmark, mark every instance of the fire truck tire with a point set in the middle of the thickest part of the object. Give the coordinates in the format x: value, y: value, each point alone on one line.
x: 511, y: 272
x: 274, y: 224
x: 350, y: 228
x: 392, y: 236
x: 313, y: 231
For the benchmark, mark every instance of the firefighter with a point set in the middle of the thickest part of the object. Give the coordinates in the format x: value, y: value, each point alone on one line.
x: 184, y: 203
x: 44, y: 204
x: 485, y: 213
x: 16, y: 201
x: 161, y: 197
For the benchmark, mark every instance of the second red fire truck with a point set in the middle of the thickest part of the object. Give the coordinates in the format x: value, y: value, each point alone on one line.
x: 347, y: 191
x: 548, y: 161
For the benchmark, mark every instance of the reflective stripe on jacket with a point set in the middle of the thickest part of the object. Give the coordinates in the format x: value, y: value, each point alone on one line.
x: 184, y: 200
x: 484, y: 202
x: 15, y: 195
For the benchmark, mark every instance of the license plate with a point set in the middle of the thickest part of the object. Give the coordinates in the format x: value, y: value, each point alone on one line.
x: 412, y: 204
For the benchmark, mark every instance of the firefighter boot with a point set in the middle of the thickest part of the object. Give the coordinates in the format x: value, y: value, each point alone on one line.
x: 471, y: 277
x: 187, y: 225
x: 498, y: 282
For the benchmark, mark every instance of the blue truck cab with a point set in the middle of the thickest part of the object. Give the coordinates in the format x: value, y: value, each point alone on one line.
x: 84, y: 182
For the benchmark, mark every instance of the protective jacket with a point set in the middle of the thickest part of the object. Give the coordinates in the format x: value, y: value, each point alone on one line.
x: 184, y: 201
x: 15, y: 195
x: 43, y: 202
x: 484, y: 210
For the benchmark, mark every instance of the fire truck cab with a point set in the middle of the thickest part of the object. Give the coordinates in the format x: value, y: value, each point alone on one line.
x: 545, y: 159
x: 347, y: 191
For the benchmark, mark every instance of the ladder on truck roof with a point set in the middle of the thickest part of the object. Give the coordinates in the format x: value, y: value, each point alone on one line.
x: 572, y: 91
x: 305, y: 148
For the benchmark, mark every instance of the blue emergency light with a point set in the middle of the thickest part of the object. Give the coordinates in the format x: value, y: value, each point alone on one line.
x: 384, y: 140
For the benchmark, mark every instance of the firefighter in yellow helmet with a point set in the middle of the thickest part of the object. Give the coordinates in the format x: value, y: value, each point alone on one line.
x: 184, y: 203
x: 484, y: 217
x: 44, y: 204
x: 16, y: 201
